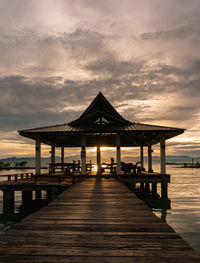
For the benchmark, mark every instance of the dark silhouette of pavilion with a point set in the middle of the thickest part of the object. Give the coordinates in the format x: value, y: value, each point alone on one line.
x: 101, y: 125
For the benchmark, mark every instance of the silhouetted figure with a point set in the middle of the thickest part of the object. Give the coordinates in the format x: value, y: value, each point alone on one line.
x: 112, y: 168
x: 129, y: 167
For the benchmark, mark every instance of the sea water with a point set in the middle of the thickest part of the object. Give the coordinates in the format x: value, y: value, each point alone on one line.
x: 183, y: 193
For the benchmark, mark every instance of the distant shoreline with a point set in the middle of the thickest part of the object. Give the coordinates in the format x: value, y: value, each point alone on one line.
x: 20, y: 168
x: 183, y: 165
x: 173, y: 163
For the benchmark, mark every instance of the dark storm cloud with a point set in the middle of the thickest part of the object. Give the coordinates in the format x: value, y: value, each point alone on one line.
x: 112, y: 67
x: 181, y: 33
x: 28, y: 101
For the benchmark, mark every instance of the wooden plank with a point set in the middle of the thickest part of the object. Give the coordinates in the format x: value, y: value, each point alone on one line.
x: 96, y: 220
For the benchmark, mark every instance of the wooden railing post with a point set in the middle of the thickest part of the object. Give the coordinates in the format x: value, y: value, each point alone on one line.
x: 150, y: 170
x: 162, y: 157
x: 37, y: 157
x: 118, y: 154
x: 59, y: 179
x: 83, y: 155
x: 38, y: 195
x: 15, y: 178
x: 73, y: 180
x: 164, y: 187
x: 154, y: 189
x: 26, y: 198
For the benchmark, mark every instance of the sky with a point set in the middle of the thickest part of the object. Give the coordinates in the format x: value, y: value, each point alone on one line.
x: 55, y: 56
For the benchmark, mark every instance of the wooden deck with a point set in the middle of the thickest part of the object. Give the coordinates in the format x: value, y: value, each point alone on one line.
x: 96, y: 220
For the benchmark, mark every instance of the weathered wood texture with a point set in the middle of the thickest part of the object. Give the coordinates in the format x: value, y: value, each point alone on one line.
x: 96, y: 220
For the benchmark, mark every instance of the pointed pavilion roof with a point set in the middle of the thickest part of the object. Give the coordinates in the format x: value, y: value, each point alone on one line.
x: 100, y: 112
x: 100, y: 122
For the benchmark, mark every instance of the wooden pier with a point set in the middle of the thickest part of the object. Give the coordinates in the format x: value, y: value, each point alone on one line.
x: 96, y: 220
x: 31, y: 185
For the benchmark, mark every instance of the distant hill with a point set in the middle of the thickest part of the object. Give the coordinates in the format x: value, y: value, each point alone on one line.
x: 182, y: 159
x: 46, y: 160
x: 31, y: 160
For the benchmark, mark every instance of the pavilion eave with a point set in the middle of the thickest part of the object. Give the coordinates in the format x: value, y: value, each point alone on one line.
x: 128, y: 138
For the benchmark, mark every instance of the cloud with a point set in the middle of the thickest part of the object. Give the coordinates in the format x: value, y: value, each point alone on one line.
x: 143, y: 82
x: 144, y: 58
x: 179, y: 33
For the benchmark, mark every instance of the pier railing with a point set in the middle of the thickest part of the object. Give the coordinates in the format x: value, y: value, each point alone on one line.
x: 17, y: 182
x: 15, y: 177
x: 18, y: 177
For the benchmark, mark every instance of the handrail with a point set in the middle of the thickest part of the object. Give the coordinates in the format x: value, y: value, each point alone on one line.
x: 17, y: 176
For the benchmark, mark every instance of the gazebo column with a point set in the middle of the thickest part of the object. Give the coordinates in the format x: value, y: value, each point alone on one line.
x: 98, y: 159
x: 52, y: 154
x: 83, y: 155
x: 62, y: 154
x: 150, y: 158
x: 118, y: 154
x: 62, y: 157
x: 37, y: 158
x: 53, y: 157
x: 142, y: 157
x: 162, y: 157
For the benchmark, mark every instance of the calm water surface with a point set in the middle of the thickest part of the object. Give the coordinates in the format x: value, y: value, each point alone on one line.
x: 184, y: 193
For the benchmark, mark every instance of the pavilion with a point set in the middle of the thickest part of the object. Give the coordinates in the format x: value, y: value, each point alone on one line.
x: 101, y: 125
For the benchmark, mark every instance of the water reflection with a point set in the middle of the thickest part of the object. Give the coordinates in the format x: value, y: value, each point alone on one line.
x: 21, y: 209
x: 157, y: 201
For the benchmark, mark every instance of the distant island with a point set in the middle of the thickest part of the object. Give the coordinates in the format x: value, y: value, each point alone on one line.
x: 7, y: 165
x: 192, y: 165
x: 29, y: 162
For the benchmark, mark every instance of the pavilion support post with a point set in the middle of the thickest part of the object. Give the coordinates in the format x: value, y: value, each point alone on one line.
x: 141, y: 188
x: 133, y: 186
x: 118, y: 154
x: 62, y: 157
x: 162, y: 157
x: 8, y: 202
x: 38, y: 195
x: 53, y: 157
x: 83, y: 155
x: 49, y: 195
x: 164, y: 192
x: 150, y: 170
x: 98, y: 159
x: 154, y: 189
x: 52, y: 154
x: 147, y: 188
x: 37, y: 158
x: 142, y: 157
x: 62, y: 154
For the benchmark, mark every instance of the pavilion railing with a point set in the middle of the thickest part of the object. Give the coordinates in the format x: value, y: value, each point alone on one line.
x: 69, y: 168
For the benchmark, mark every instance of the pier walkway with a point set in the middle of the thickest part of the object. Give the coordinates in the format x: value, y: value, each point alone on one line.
x: 96, y: 220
